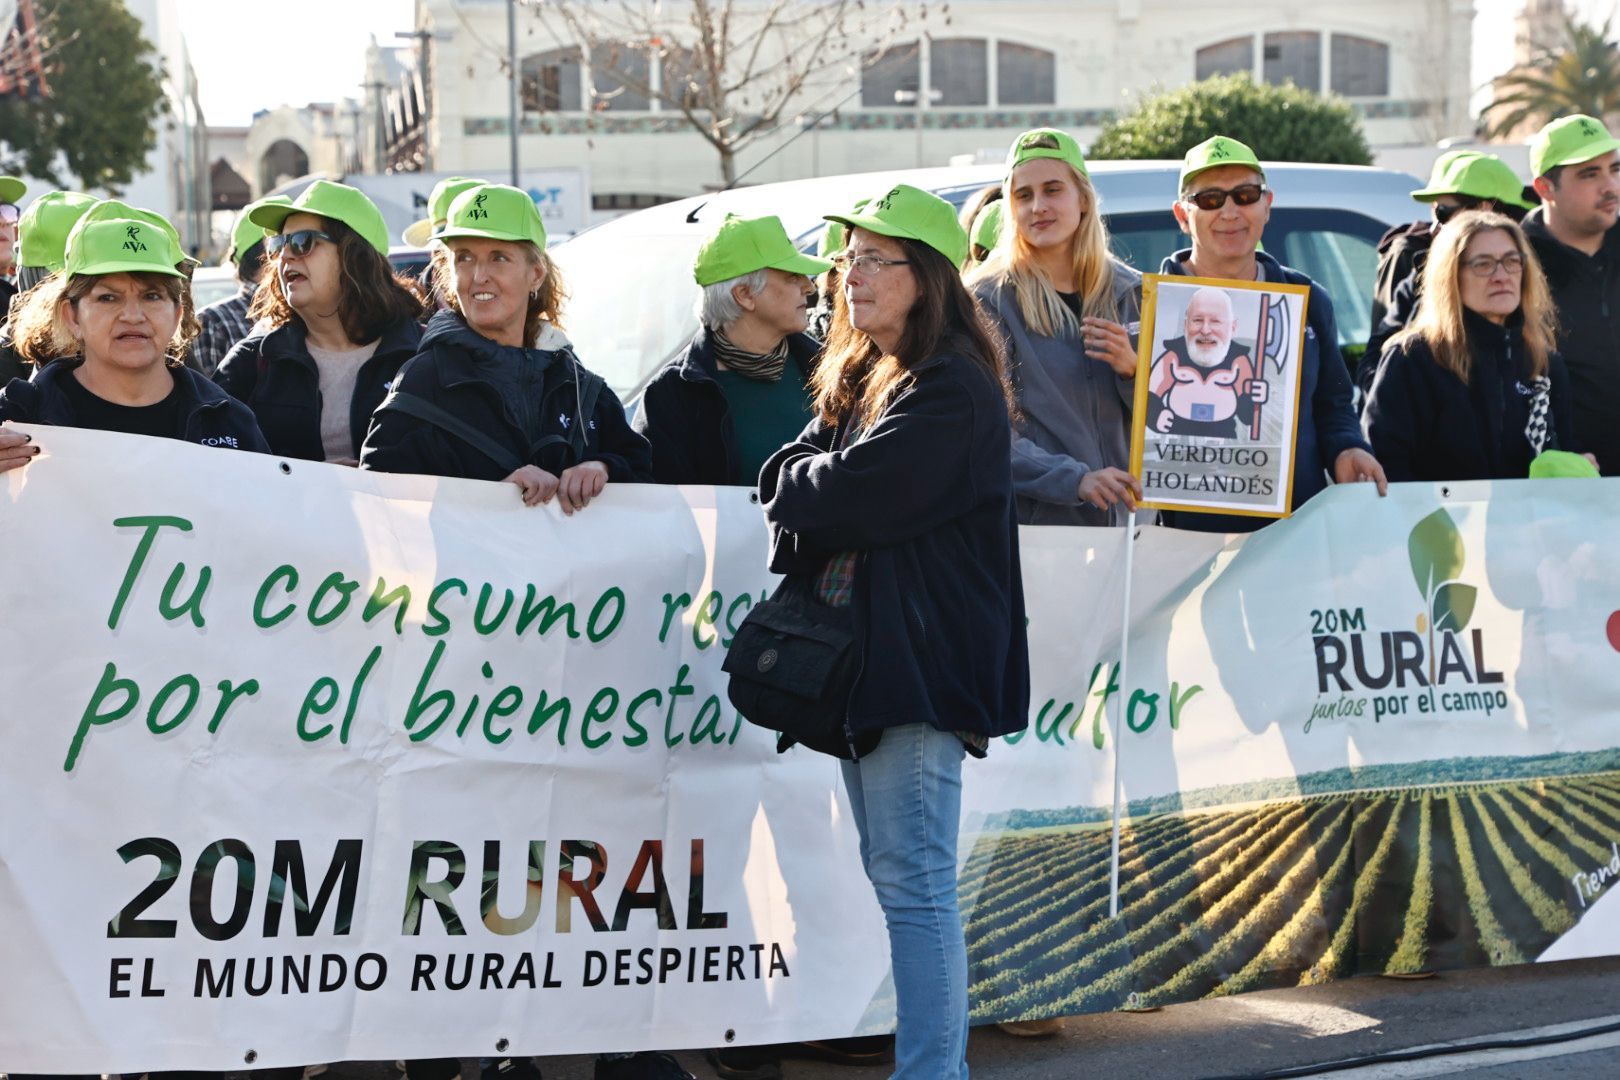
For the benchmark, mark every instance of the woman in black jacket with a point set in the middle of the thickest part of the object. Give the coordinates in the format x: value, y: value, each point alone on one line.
x: 897, y: 501
x: 495, y: 392
x: 1472, y: 389
x: 340, y: 325
x: 108, y: 335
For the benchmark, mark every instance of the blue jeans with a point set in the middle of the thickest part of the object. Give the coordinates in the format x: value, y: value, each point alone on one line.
x: 907, y: 800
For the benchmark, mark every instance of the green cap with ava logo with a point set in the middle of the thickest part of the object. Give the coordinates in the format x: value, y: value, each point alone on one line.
x: 1569, y: 140
x: 1475, y: 176
x: 119, y: 246
x: 113, y: 210
x: 418, y: 233
x: 742, y: 245
x: 911, y: 213
x: 1046, y: 143
x: 340, y: 202
x: 494, y: 212
x: 44, y: 227
x: 1214, y: 152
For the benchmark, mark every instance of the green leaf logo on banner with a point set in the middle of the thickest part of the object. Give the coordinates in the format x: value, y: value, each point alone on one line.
x: 1453, y: 606
x: 1436, y: 550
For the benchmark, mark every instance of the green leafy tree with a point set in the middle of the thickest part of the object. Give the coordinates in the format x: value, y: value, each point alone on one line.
x: 98, y: 119
x: 1280, y: 123
x: 1580, y: 75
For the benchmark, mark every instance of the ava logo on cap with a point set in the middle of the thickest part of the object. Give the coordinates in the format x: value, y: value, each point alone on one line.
x: 884, y: 203
x: 478, y: 210
x: 134, y: 242
x: 1219, y: 152
x: 1590, y: 129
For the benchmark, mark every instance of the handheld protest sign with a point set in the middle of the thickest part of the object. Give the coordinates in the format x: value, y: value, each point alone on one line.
x: 1217, y: 394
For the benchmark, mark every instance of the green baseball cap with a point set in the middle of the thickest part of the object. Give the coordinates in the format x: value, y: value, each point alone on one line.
x: 113, y: 210
x: 1046, y: 143
x: 494, y: 212
x: 246, y: 233
x: 119, y: 246
x: 912, y: 214
x: 11, y: 189
x: 340, y: 202
x: 1476, y: 176
x: 742, y: 245
x: 1215, y: 152
x: 1554, y: 464
x: 44, y: 227
x: 832, y: 238
x: 1569, y: 140
x: 987, y: 226
x: 418, y: 233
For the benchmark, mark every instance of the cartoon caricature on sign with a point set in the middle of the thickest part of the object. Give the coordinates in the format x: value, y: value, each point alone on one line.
x: 1217, y: 394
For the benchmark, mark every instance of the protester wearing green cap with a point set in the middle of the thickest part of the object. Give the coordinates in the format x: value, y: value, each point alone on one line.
x: 41, y: 251
x: 226, y: 322
x: 496, y: 392
x: 333, y: 325
x: 1576, y: 164
x: 1473, y: 389
x: 985, y: 232
x: 108, y: 334
x: 421, y: 233
x: 897, y: 503
x: 1065, y: 307
x: 740, y: 390
x: 1223, y: 206
x: 1461, y: 180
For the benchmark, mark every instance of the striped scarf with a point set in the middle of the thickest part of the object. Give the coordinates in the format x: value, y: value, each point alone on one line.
x: 767, y: 367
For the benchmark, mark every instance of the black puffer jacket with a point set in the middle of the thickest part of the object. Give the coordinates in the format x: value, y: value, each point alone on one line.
x: 473, y: 378
x: 276, y: 377
x: 211, y: 416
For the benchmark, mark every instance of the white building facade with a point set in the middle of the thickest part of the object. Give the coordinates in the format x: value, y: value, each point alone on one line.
x: 175, y: 181
x: 941, y: 89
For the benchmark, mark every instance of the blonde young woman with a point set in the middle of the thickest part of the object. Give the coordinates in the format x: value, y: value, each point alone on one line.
x: 1472, y: 389
x: 1069, y: 313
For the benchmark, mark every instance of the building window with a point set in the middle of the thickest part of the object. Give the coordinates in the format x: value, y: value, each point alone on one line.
x: 1025, y: 76
x: 619, y: 73
x: 1231, y: 57
x: 1293, y: 56
x: 551, y: 81
x: 959, y: 71
x: 1360, y: 66
x: 627, y: 201
x: 888, y: 71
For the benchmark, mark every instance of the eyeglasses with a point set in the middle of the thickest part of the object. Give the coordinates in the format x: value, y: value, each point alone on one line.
x: 297, y: 244
x: 1215, y: 198
x: 9, y: 214
x: 870, y: 265
x: 1484, y: 265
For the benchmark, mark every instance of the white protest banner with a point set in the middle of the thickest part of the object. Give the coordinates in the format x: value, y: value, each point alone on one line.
x: 1217, y: 394
x: 310, y: 764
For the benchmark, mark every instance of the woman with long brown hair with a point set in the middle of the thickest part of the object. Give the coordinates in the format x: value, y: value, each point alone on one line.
x: 340, y: 325
x: 1472, y: 389
x: 897, y: 502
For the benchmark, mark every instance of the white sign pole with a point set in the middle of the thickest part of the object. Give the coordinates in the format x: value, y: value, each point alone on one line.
x: 1119, y: 713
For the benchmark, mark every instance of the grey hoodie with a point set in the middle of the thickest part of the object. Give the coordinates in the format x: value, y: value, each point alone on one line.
x: 1077, y: 412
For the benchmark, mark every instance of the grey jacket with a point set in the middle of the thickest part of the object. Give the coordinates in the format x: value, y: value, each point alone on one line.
x: 1077, y: 412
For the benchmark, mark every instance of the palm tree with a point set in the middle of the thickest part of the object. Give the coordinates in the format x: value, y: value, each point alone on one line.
x: 1583, y: 76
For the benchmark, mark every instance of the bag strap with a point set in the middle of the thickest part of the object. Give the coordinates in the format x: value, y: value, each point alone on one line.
x: 424, y: 410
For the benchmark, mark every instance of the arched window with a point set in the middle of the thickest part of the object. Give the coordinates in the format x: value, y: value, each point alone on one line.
x: 1230, y: 57
x: 959, y: 71
x: 888, y: 71
x: 1293, y: 56
x: 284, y: 160
x: 551, y: 81
x: 1360, y: 66
x: 1025, y: 75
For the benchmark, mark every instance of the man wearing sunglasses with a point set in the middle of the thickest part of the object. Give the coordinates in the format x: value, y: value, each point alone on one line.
x: 1223, y: 206
x: 1576, y: 164
x: 11, y: 192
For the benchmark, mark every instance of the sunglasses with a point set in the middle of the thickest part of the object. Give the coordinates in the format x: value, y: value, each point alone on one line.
x: 1215, y: 198
x: 297, y: 244
x: 9, y: 214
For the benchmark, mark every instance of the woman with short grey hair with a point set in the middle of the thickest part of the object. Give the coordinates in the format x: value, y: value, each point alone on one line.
x: 740, y: 390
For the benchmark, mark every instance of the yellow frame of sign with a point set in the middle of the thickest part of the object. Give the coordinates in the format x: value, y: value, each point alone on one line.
x: 1144, y: 363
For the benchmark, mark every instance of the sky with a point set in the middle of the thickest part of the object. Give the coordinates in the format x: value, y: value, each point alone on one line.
x: 329, y: 65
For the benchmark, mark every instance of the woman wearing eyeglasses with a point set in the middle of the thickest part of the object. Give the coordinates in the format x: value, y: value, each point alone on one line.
x: 1068, y: 311
x: 1472, y: 389
x: 341, y: 325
